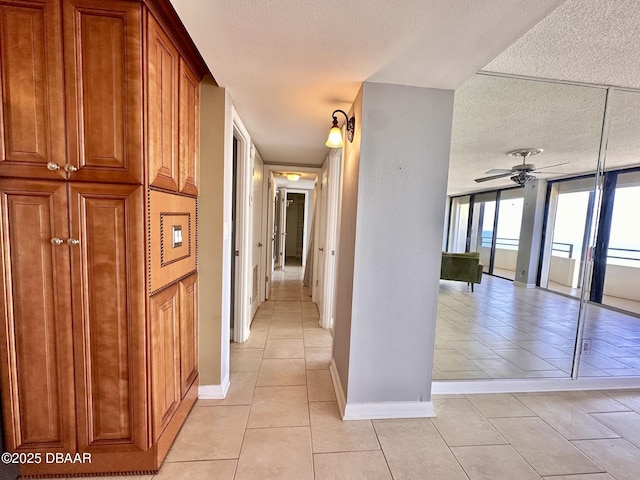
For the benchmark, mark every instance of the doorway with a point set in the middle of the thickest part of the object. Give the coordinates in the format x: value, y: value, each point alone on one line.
x: 234, y: 250
x: 295, y: 229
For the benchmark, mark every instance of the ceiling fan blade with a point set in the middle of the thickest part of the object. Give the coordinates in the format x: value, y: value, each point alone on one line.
x: 550, y: 166
x: 493, y: 177
x: 495, y: 171
x: 553, y: 173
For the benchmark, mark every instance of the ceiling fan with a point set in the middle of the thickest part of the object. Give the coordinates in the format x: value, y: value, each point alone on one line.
x: 520, y: 173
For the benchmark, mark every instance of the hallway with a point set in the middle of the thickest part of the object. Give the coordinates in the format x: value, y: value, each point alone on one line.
x: 280, y: 420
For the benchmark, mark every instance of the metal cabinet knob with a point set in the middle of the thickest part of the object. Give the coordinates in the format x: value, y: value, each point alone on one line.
x: 70, y: 168
x: 73, y: 241
x: 56, y: 241
x: 53, y: 166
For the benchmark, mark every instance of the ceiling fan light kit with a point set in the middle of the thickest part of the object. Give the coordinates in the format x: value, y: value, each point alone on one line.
x: 520, y: 173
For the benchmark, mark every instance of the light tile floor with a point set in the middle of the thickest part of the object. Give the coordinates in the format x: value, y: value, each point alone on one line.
x: 280, y: 421
x: 505, y: 331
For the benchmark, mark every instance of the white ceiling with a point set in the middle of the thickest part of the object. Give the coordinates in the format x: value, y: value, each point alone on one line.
x: 288, y: 64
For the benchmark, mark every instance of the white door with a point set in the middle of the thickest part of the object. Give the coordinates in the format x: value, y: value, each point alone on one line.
x: 321, y: 216
x: 282, y: 225
x: 270, y: 234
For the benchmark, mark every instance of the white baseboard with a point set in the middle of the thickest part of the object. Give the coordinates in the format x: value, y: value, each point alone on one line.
x: 458, y: 387
x: 214, y: 392
x: 376, y: 410
x: 387, y: 410
x: 337, y: 386
x: 523, y: 284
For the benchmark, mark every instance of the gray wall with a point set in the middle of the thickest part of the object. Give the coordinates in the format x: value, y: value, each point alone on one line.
x: 392, y: 217
x: 346, y: 247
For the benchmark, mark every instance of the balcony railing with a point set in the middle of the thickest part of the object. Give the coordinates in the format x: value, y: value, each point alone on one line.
x: 512, y: 244
x: 628, y: 256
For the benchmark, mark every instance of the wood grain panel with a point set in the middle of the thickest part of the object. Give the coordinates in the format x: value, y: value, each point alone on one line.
x: 162, y: 65
x: 37, y: 366
x: 189, y: 130
x: 165, y: 360
x: 32, y: 109
x: 104, y: 89
x: 109, y: 323
x: 165, y: 205
x: 188, y: 332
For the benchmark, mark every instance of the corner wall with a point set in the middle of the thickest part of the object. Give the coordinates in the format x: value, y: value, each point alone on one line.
x: 391, y: 229
x: 213, y: 238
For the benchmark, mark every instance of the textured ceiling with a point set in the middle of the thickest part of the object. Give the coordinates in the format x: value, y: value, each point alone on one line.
x: 288, y: 64
x: 591, y: 41
x: 494, y: 115
x: 584, y: 41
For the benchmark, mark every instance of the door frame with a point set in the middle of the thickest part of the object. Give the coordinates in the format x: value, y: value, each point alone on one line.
x: 242, y: 231
x: 334, y: 179
x: 306, y: 222
x: 269, y: 207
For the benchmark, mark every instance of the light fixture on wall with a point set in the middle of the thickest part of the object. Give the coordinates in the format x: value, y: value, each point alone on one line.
x: 335, y: 134
x: 294, y: 177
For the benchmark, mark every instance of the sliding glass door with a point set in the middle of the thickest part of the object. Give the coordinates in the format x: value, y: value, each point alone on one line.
x: 507, y: 233
x: 568, y: 224
x: 621, y: 282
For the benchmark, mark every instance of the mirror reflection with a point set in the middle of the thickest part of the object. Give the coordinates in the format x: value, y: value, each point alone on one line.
x: 531, y: 237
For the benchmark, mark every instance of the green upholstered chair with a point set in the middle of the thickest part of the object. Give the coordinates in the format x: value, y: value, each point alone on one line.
x: 464, y: 267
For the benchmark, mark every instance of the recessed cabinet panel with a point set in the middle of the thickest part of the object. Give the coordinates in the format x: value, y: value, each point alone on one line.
x: 188, y: 332
x: 37, y: 380
x: 172, y: 239
x: 32, y: 108
x: 108, y: 292
x: 104, y: 90
x: 165, y: 366
x: 189, y: 134
x: 162, y: 67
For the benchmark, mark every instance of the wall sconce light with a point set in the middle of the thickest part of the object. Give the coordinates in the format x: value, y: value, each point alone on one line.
x: 335, y: 135
x: 294, y: 177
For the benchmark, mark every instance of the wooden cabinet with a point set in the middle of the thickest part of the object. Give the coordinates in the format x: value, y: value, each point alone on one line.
x: 32, y: 109
x: 189, y: 131
x: 89, y: 361
x: 108, y: 291
x: 103, y: 78
x: 188, y: 332
x: 75, y: 287
x: 165, y: 360
x: 162, y: 65
x: 35, y: 341
x: 174, y: 316
x: 173, y: 106
x: 102, y: 141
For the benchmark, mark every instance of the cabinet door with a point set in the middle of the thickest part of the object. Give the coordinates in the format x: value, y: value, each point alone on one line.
x: 189, y: 132
x: 35, y: 332
x: 107, y: 264
x: 103, y: 72
x: 32, y: 108
x: 162, y: 64
x: 188, y: 332
x: 165, y: 360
